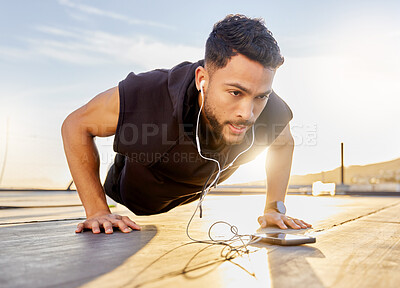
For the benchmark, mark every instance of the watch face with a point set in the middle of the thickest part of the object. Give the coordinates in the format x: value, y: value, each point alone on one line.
x: 281, y: 207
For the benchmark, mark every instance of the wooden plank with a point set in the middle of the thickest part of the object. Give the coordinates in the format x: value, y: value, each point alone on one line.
x: 364, y: 252
x: 31, y: 215
x: 24, y: 199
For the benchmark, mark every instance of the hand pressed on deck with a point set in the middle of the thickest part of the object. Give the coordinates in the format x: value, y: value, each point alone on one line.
x: 104, y: 219
x: 282, y: 221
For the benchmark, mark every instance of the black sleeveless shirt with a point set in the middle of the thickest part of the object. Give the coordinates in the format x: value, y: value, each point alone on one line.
x: 155, y: 133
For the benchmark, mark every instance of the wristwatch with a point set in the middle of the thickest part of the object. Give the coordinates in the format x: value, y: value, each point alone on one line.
x: 278, y: 206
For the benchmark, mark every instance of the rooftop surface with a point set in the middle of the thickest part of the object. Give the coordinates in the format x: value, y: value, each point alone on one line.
x: 358, y: 245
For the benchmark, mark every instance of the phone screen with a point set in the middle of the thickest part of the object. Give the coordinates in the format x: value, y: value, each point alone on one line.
x: 285, y: 239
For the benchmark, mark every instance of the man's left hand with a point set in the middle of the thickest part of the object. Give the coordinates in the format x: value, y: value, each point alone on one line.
x: 282, y: 221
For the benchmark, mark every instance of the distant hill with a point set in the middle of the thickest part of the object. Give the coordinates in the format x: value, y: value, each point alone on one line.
x: 382, y: 172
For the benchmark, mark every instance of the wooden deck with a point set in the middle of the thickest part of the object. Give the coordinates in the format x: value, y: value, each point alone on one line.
x: 358, y: 245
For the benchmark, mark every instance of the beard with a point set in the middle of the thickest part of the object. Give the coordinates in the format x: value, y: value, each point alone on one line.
x: 215, y: 127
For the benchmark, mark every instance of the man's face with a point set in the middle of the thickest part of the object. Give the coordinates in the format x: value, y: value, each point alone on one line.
x: 234, y: 98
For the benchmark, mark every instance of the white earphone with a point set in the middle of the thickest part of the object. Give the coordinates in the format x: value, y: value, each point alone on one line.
x: 202, y: 92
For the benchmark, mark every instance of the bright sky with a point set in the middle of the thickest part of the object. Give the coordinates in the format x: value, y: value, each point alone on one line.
x: 341, y: 74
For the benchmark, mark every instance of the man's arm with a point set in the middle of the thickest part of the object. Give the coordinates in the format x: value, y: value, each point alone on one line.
x: 99, y: 117
x: 278, y: 165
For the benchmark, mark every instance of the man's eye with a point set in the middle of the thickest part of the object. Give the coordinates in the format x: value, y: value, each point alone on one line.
x: 235, y: 93
x: 263, y: 97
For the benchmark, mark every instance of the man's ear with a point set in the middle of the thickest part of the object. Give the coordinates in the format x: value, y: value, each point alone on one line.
x: 200, y: 75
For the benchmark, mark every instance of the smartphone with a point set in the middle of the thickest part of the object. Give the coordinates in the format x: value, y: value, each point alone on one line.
x: 284, y: 239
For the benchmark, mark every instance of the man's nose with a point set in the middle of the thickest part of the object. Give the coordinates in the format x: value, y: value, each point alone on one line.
x: 245, y: 110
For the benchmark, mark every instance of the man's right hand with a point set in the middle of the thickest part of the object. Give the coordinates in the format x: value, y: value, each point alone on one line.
x: 107, y: 221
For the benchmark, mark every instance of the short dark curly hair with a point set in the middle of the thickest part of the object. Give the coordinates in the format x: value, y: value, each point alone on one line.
x: 247, y: 36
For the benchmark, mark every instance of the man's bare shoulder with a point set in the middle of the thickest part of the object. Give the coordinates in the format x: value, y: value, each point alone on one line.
x: 99, y: 117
